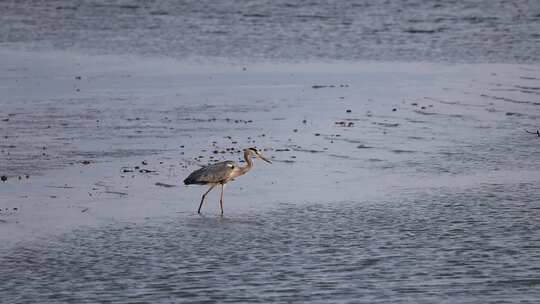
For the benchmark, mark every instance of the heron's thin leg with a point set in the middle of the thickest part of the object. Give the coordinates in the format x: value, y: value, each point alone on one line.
x: 203, y: 196
x: 221, y: 199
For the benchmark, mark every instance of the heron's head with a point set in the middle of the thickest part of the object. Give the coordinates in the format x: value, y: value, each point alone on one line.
x: 257, y: 153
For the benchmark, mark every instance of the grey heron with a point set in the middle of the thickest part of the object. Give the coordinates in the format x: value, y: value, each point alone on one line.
x: 221, y: 173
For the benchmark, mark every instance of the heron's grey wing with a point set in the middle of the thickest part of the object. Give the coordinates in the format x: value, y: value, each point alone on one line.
x: 214, y: 173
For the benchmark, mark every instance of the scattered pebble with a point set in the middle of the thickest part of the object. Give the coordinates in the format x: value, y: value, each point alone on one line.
x: 363, y: 147
x: 164, y: 185
x: 320, y: 86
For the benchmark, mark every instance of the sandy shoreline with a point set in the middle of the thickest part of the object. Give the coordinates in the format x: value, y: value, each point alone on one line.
x: 386, y: 122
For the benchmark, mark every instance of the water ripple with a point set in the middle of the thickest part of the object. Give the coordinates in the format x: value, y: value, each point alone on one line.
x: 466, y: 246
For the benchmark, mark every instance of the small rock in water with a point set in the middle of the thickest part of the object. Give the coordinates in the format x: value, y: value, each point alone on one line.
x: 164, y: 185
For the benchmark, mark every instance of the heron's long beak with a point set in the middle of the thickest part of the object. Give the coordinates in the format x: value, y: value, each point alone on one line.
x: 264, y: 158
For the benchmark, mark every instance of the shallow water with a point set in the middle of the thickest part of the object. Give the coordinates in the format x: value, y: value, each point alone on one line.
x: 476, y: 245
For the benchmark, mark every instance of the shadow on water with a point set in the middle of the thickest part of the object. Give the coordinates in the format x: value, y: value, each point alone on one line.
x: 476, y: 244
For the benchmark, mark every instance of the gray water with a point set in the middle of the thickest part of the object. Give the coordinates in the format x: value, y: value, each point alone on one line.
x: 475, y: 246
x: 463, y: 31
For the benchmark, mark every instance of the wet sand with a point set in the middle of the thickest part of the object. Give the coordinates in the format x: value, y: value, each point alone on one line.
x: 391, y: 182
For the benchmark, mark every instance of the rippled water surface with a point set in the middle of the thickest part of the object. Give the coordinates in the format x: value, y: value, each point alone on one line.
x: 473, y: 246
x: 464, y: 31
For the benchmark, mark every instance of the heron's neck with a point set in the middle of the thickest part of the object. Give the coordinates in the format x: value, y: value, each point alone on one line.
x: 249, y: 162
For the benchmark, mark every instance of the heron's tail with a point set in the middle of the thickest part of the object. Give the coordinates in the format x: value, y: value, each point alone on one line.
x: 192, y: 180
x: 189, y: 181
